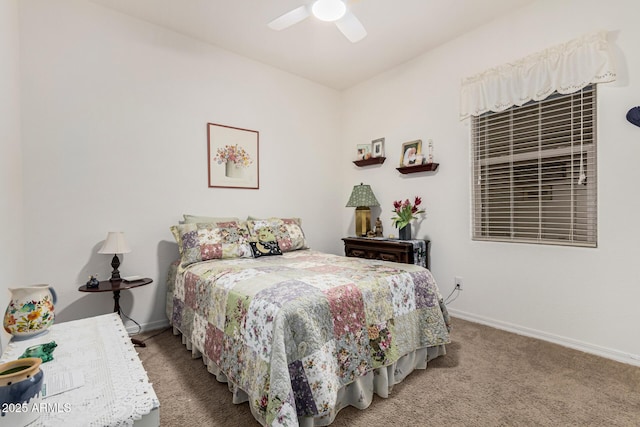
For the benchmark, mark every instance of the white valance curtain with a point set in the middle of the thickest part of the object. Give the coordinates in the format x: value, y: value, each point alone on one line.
x: 566, y: 68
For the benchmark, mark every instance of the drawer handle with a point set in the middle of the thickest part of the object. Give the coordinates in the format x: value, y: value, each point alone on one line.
x: 357, y: 253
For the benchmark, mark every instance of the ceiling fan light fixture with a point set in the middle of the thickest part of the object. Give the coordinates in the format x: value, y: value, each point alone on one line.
x: 328, y: 10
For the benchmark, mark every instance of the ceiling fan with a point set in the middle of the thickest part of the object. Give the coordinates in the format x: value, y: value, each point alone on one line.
x: 325, y: 10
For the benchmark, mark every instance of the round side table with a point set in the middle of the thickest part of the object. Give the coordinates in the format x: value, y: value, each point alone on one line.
x: 116, y: 286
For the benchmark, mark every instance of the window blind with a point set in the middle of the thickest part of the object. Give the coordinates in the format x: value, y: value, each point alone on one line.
x: 534, y: 171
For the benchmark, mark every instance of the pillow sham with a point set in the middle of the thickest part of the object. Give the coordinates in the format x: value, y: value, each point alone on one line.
x: 223, y: 222
x: 206, y: 241
x: 287, y: 232
x: 296, y: 220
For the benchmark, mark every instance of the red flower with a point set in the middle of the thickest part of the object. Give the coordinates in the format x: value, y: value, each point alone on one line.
x: 406, y: 212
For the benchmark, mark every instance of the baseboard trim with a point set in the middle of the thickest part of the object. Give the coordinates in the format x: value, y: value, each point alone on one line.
x: 132, y: 328
x: 618, y: 356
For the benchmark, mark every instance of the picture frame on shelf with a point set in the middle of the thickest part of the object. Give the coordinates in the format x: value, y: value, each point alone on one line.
x: 411, y: 153
x: 363, y: 151
x: 377, y: 148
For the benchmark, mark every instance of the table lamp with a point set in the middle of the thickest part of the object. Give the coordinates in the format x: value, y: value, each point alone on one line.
x: 362, y: 199
x: 115, y: 244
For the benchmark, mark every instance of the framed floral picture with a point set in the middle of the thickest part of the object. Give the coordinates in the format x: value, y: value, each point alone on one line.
x: 232, y: 157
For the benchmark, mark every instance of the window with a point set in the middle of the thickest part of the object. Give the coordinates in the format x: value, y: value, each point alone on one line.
x: 534, y: 171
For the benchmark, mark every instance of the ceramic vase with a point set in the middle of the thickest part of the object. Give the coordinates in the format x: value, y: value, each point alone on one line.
x: 20, y: 391
x: 405, y: 232
x: 233, y: 170
x: 30, y: 311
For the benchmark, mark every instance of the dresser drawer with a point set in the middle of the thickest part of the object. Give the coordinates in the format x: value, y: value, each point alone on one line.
x: 393, y: 250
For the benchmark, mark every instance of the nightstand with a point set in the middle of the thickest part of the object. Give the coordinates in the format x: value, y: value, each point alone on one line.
x: 403, y: 251
x: 116, y: 286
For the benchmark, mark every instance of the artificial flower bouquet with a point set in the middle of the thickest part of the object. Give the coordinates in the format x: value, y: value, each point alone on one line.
x: 406, y: 212
x: 233, y: 154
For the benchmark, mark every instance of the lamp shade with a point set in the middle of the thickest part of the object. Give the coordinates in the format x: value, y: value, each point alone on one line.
x: 362, y: 196
x: 115, y: 244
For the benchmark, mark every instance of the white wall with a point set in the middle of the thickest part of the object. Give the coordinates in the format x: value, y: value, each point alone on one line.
x: 585, y: 298
x: 114, y: 136
x: 11, y: 244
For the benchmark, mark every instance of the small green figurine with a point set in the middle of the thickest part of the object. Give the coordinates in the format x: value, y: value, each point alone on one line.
x: 43, y: 351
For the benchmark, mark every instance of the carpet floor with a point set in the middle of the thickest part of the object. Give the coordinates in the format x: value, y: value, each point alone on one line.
x: 488, y: 377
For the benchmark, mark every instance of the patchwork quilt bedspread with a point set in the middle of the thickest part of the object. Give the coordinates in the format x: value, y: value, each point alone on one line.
x: 292, y: 330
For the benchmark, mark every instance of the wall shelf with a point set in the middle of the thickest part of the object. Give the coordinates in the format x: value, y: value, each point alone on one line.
x: 427, y: 167
x: 371, y: 161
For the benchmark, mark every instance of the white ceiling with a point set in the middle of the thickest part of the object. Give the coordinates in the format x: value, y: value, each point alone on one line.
x: 398, y: 30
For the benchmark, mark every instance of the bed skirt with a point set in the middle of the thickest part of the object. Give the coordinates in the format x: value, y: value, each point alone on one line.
x: 359, y: 393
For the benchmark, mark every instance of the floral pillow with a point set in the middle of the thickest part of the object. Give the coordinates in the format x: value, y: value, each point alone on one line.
x: 265, y: 248
x: 264, y: 243
x: 176, y: 233
x: 205, y: 241
x: 255, y: 218
x: 287, y: 232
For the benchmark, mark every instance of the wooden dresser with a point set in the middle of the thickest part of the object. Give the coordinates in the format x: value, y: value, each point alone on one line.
x: 387, y: 249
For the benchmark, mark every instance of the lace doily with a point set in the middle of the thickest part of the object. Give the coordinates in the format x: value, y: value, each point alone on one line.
x: 116, y: 389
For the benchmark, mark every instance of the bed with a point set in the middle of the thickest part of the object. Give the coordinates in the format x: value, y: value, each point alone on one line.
x: 299, y: 334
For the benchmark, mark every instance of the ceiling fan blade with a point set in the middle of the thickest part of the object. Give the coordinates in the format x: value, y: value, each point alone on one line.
x: 290, y: 18
x: 351, y: 27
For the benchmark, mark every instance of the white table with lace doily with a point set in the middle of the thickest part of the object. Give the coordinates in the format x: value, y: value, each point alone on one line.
x: 97, y: 358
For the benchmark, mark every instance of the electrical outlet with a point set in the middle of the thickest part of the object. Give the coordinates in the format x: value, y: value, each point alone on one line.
x: 458, y: 282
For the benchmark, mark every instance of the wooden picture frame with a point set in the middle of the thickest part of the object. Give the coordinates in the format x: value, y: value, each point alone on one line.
x: 377, y: 148
x: 411, y: 154
x: 233, y: 157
